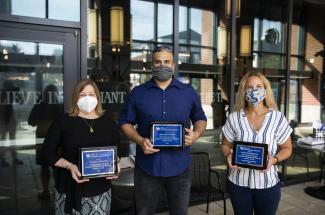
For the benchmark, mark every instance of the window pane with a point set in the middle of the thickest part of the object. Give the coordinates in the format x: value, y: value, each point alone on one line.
x: 201, y: 27
x: 257, y: 39
x: 296, y: 64
x: 31, y: 90
x: 195, y: 55
x: 195, y: 26
x: 207, y: 29
x: 142, y: 46
x: 204, y: 87
x: 293, y: 100
x: 64, y: 10
x: 165, y: 23
x: 184, y: 55
x: 268, y: 36
x: 201, y: 56
x: 182, y: 24
x: 139, y: 56
x: 297, y: 40
x: 142, y: 20
x: 207, y: 56
x: 35, y: 8
x: 268, y: 61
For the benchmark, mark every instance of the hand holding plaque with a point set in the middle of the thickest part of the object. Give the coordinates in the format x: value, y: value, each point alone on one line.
x: 167, y: 135
x: 250, y: 155
x: 98, y: 162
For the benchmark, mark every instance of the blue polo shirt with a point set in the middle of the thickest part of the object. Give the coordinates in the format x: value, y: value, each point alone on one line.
x: 148, y: 103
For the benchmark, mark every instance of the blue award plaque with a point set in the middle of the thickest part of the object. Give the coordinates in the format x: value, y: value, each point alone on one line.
x: 167, y: 135
x: 98, y: 162
x: 250, y: 155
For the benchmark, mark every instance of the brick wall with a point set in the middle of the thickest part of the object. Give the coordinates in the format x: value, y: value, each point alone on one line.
x: 207, y: 37
x: 315, y: 34
x: 206, y: 91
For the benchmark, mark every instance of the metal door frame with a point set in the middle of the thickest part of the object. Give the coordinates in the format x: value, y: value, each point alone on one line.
x: 68, y: 37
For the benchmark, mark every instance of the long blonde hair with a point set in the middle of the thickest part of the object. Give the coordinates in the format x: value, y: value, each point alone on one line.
x: 75, y: 97
x: 269, y: 100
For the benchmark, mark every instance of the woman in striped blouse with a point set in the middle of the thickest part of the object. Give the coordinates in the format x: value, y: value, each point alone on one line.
x: 256, y: 119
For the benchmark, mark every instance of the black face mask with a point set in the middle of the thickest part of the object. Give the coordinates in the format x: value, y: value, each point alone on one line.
x: 162, y: 73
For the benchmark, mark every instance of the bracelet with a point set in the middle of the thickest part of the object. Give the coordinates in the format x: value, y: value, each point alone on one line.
x: 277, y: 159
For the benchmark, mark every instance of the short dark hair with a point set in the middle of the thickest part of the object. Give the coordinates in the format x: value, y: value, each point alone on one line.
x: 162, y: 49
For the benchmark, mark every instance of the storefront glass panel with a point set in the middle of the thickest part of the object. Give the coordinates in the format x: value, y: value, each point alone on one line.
x: 165, y: 23
x: 64, y: 10
x: 142, y: 23
x: 35, y: 8
x: 31, y: 79
x: 48, y: 9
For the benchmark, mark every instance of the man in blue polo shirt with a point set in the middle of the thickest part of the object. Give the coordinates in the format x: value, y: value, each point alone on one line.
x: 162, y: 99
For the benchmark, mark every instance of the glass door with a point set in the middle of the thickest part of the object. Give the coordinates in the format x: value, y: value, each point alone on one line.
x: 38, y: 69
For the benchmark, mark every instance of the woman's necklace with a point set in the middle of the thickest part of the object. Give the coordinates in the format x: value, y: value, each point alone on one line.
x: 91, y: 130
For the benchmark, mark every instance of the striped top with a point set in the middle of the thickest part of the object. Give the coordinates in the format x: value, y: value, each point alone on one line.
x: 275, y: 130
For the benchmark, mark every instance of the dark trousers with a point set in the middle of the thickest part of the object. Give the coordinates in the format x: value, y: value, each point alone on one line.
x: 262, y: 201
x: 147, y: 192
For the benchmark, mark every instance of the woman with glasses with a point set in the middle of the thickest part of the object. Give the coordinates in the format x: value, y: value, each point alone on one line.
x: 256, y: 119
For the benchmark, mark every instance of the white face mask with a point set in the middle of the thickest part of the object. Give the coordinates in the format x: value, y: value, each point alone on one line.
x: 87, y: 103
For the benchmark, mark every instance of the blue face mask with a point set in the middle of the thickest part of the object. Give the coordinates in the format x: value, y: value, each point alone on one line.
x: 255, y: 96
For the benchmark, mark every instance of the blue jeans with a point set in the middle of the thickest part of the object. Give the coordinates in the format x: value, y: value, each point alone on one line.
x: 147, y: 192
x: 262, y: 201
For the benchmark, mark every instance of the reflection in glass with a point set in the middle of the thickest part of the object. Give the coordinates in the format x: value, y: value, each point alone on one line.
x: 165, y: 23
x: 293, y: 100
x: 195, y: 26
x: 201, y: 27
x: 204, y: 87
x: 142, y: 20
x: 268, y: 36
x: 137, y: 79
x: 183, y: 24
x: 18, y: 47
x: 207, y: 56
x: 297, y: 40
x: 276, y: 91
x: 268, y: 61
x: 64, y: 10
x: 269, y: 45
x: 202, y: 56
x: 139, y: 56
x: 35, y: 8
x: 142, y: 46
x: 208, y: 26
x: 25, y: 72
x: 142, y: 52
x: 57, y: 9
x: 297, y: 64
x: 184, y: 55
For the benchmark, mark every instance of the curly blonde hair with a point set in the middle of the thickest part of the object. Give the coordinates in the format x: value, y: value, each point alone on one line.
x: 269, y: 100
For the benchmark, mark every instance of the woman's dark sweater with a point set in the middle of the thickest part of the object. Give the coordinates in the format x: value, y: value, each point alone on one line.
x: 64, y: 139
